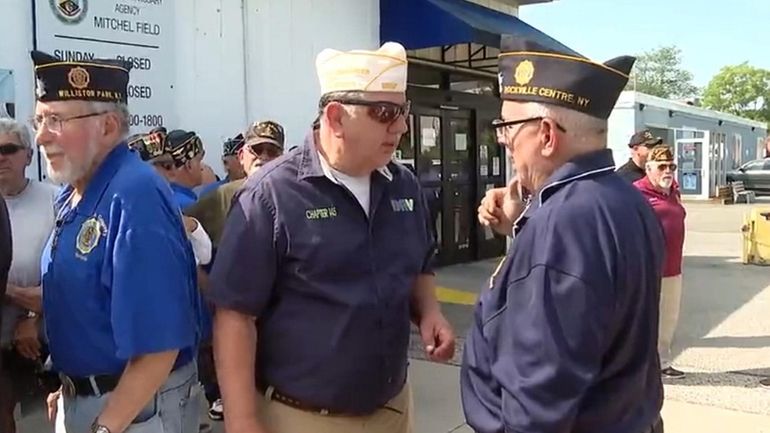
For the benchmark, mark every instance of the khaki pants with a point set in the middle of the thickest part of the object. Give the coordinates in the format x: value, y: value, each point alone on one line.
x: 395, y: 417
x: 670, y: 300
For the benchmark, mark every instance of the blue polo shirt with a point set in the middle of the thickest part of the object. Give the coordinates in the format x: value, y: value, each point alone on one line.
x: 330, y: 287
x: 119, y: 272
x: 565, y: 340
x: 183, y: 195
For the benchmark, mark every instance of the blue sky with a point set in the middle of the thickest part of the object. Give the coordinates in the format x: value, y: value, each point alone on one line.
x: 710, y: 34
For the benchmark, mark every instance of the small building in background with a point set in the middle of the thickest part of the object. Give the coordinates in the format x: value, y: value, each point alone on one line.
x: 707, y: 143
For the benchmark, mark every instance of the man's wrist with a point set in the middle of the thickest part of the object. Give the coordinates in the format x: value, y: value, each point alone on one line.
x: 97, y: 427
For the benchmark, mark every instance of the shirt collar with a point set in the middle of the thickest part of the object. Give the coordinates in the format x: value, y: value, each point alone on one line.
x: 591, y: 164
x: 312, y: 164
x: 101, y: 178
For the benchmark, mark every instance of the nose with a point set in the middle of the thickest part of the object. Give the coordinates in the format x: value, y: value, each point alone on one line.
x: 399, y: 126
x: 43, y: 136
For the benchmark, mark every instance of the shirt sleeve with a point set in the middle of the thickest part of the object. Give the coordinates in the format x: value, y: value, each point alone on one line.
x: 245, y: 270
x: 153, y: 289
x: 201, y: 245
x: 551, y: 340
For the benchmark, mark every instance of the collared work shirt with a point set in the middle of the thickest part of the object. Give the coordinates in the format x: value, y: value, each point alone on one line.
x: 118, y: 272
x: 565, y: 340
x: 330, y: 286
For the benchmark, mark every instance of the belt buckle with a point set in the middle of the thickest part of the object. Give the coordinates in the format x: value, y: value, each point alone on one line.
x: 68, y: 386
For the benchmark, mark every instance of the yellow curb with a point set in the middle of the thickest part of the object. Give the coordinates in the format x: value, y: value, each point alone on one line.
x: 453, y: 296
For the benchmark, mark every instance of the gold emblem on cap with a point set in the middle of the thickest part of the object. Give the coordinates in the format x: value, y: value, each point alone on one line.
x: 524, y: 72
x: 89, y: 234
x: 79, y: 77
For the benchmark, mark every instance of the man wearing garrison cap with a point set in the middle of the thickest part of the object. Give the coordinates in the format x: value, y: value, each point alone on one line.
x: 329, y: 249
x: 565, y: 339
x: 119, y: 294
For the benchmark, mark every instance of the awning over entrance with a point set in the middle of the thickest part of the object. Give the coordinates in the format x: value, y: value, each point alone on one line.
x: 431, y: 23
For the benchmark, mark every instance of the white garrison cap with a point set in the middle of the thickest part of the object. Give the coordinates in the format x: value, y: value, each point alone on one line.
x: 383, y: 70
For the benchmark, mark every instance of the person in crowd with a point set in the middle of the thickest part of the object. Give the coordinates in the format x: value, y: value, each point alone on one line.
x: 6, y: 255
x: 660, y: 190
x: 231, y: 159
x: 324, y: 329
x: 31, y: 210
x: 120, y: 302
x: 565, y: 338
x: 264, y: 142
x: 640, y: 145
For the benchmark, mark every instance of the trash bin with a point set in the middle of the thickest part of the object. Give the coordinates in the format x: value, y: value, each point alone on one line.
x: 756, y: 237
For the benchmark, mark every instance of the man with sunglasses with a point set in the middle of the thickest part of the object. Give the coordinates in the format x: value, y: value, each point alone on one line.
x: 640, y: 145
x: 565, y: 338
x: 119, y: 295
x: 659, y: 188
x: 325, y: 258
x: 31, y: 210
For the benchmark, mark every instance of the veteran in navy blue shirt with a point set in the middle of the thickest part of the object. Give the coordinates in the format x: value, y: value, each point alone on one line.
x: 119, y: 293
x: 328, y: 248
x: 565, y: 338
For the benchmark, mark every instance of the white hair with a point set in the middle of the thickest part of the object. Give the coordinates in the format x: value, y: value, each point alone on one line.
x: 118, y: 108
x: 11, y: 126
x: 581, y: 128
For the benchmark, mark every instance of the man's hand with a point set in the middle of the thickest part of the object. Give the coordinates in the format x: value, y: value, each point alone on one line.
x: 51, y: 401
x: 438, y: 337
x: 500, y: 207
x: 25, y: 338
x: 190, y: 224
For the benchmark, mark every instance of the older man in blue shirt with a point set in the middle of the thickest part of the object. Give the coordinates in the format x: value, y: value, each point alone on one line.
x: 328, y: 248
x: 120, y: 300
x: 565, y: 338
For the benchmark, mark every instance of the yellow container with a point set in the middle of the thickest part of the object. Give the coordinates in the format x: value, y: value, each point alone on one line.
x: 756, y: 237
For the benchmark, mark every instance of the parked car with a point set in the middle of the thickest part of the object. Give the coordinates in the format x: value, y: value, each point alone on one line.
x: 755, y: 175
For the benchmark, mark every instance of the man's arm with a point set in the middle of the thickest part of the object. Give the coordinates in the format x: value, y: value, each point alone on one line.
x: 29, y: 298
x: 550, y: 342
x: 251, y: 238
x: 235, y: 348
x: 141, y: 379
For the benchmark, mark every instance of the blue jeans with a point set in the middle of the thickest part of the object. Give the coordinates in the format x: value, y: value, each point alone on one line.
x: 173, y: 409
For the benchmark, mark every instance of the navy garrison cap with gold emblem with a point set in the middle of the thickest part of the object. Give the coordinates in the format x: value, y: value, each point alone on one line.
x: 530, y: 72
x: 99, y: 80
x: 151, y: 145
x: 183, y: 146
x: 233, y: 145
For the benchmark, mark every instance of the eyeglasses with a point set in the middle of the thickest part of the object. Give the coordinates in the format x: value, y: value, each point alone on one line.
x: 384, y: 112
x: 499, y: 124
x: 266, y: 149
x: 54, y: 123
x: 663, y: 167
x: 8, y: 149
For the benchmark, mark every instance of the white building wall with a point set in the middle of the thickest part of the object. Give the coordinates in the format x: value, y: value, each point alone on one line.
x: 227, y: 78
x: 620, y: 128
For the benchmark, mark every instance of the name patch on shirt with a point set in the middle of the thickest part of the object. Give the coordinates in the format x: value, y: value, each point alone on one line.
x: 402, y: 205
x: 321, y: 213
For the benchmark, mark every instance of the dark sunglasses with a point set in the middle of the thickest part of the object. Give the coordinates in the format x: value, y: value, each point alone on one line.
x: 10, y: 149
x: 663, y: 167
x: 381, y: 111
x: 500, y: 123
x: 266, y: 149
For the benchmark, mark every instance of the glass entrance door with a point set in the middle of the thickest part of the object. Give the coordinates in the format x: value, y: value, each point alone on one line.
x: 458, y: 187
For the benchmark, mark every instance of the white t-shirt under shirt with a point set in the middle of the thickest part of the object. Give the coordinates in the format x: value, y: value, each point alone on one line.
x: 32, y: 220
x: 360, y: 186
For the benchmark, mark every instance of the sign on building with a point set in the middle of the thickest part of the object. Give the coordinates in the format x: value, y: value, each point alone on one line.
x: 139, y: 31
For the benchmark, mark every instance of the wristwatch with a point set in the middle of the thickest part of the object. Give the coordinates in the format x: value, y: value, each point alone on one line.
x: 98, y: 428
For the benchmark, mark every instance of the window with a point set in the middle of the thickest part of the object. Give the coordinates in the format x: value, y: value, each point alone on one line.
x: 737, y: 150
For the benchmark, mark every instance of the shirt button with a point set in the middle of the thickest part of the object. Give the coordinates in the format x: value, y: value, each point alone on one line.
x: 390, y: 380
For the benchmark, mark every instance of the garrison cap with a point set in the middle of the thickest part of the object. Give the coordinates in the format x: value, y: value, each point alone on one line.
x: 150, y: 146
x: 99, y: 80
x: 233, y: 145
x: 530, y: 72
x: 183, y: 146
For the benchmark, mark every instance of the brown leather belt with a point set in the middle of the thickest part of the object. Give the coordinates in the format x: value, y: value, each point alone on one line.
x: 271, y: 393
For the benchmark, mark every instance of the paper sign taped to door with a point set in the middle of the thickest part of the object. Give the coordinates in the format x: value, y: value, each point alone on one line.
x: 461, y: 142
x: 428, y: 137
x: 495, y: 166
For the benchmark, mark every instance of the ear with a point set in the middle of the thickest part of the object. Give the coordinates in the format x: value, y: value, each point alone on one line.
x: 335, y: 114
x: 111, y: 125
x: 549, y: 137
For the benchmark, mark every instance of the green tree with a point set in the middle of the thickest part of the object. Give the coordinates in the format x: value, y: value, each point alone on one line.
x: 659, y: 72
x: 742, y: 90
